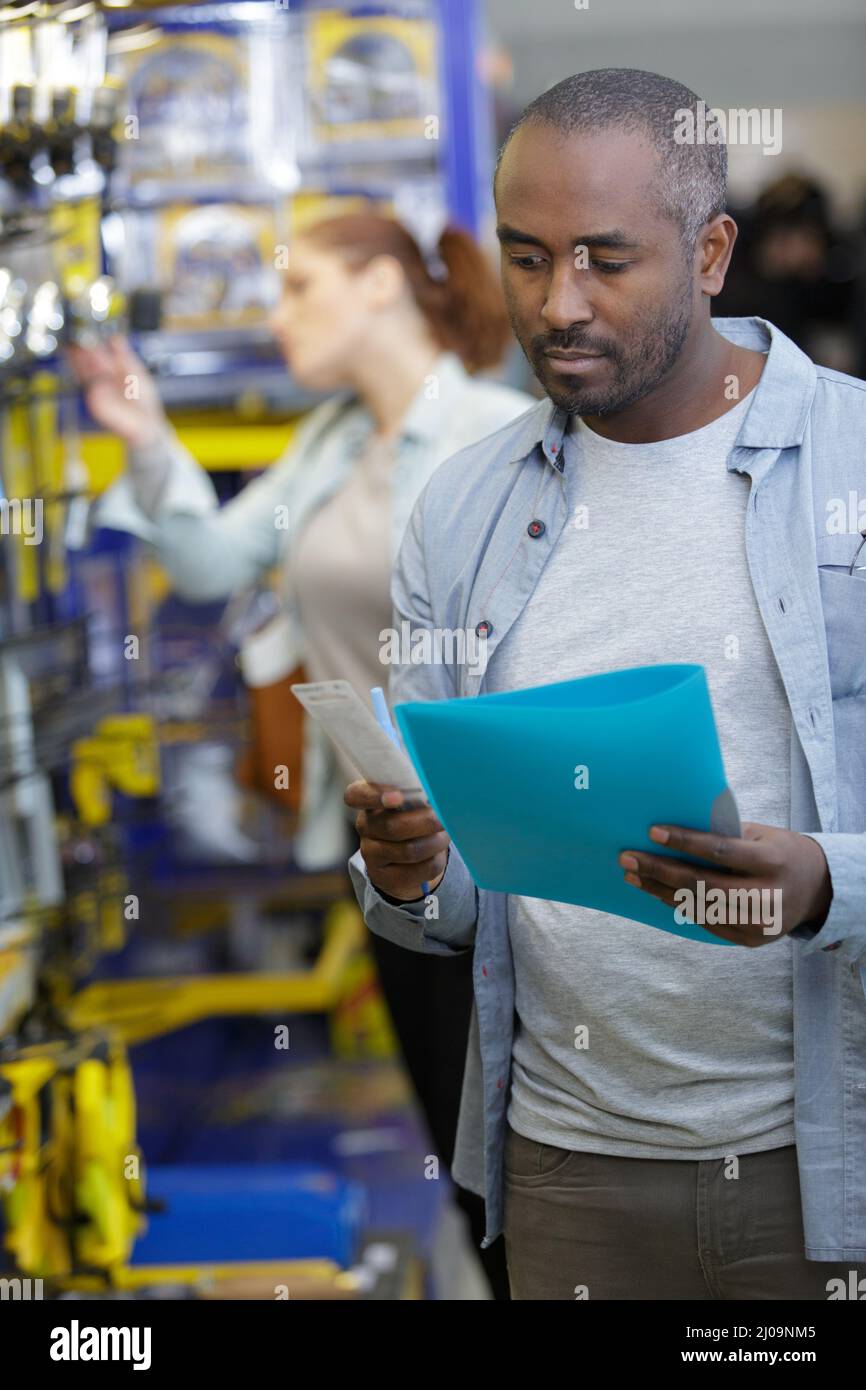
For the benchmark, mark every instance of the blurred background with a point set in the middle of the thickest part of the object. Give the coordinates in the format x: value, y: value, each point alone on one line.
x: 247, y: 264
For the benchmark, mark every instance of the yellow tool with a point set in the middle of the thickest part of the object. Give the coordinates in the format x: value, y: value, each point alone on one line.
x: 48, y: 473
x: 27, y: 1154
x: 359, y: 1023
x: 121, y: 753
x: 109, y: 1184
x: 142, y: 1009
x: 100, y: 910
x: 72, y: 1171
x: 17, y: 972
x: 75, y: 227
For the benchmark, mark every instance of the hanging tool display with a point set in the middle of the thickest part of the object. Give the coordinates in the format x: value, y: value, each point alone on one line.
x: 69, y: 1166
x: 70, y: 1169
x: 58, y: 105
x: 58, y: 135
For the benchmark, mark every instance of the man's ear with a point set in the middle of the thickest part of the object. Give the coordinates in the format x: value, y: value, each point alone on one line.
x: 713, y: 252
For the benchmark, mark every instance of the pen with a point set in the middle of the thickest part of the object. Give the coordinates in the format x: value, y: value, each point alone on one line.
x: 383, y: 719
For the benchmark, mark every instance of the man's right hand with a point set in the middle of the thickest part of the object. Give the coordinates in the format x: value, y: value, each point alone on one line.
x: 401, y: 848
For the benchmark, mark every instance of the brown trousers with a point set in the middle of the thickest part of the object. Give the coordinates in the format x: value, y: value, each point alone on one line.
x: 597, y: 1226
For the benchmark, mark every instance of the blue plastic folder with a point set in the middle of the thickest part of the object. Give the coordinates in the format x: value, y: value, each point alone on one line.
x: 542, y: 789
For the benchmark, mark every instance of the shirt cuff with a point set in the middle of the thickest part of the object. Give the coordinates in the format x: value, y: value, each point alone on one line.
x: 408, y: 924
x: 844, y: 928
x: 186, y: 487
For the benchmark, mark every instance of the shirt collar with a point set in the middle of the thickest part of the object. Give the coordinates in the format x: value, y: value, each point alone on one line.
x: 423, y: 420
x: 446, y: 379
x: 542, y: 424
x: 776, y: 418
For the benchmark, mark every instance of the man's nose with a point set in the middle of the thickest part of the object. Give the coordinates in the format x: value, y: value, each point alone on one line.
x: 567, y: 301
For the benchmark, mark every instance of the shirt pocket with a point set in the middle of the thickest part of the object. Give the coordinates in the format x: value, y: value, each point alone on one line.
x: 843, y: 597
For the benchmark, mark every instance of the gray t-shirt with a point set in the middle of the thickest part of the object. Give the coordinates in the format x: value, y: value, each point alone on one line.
x: 690, y: 1051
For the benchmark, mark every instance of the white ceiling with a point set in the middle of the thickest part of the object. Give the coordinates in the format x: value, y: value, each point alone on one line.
x: 549, y: 18
x: 752, y: 52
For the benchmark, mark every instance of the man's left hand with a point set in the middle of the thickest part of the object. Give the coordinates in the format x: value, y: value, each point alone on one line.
x: 789, y: 867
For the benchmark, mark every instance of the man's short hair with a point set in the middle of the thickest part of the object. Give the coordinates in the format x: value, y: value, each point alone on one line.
x: 692, y: 181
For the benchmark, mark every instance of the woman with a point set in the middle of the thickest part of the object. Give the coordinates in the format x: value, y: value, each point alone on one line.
x: 364, y: 314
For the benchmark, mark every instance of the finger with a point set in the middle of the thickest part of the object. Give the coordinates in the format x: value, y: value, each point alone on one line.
x: 88, y: 363
x: 398, y: 878
x: 728, y: 850
x: 751, y: 831
x: 401, y: 852
x: 364, y: 794
x: 391, y: 796
x: 398, y: 825
x: 653, y: 887
x: 673, y: 876
x: 124, y: 356
x: 120, y: 347
x: 677, y: 873
x: 665, y: 894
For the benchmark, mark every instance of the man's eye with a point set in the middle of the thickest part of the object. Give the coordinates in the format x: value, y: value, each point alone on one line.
x: 527, y: 262
x: 610, y: 267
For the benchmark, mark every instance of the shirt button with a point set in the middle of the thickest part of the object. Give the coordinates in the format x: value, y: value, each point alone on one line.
x: 483, y: 629
x: 535, y: 529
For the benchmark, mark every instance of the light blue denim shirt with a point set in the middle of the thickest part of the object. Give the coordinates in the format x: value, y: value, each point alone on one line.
x: 468, y: 559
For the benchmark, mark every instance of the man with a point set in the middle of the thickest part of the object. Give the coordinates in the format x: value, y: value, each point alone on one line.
x: 676, y: 498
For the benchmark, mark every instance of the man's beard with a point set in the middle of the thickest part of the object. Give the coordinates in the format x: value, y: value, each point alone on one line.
x: 635, y: 366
